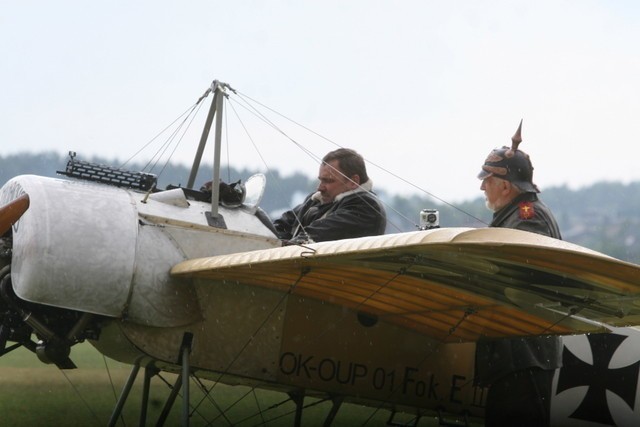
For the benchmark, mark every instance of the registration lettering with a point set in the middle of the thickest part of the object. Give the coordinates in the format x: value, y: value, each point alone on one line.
x: 408, y: 380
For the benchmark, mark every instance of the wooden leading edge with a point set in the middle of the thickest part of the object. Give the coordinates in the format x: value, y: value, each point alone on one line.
x: 451, y: 284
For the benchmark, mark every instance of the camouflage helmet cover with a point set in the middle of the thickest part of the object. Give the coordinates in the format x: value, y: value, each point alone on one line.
x: 511, y: 164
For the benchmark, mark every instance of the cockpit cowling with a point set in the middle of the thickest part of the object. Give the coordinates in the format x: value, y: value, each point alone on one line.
x: 106, y: 250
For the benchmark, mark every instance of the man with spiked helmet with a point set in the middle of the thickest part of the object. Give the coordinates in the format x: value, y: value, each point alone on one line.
x: 519, y: 371
x: 507, y: 181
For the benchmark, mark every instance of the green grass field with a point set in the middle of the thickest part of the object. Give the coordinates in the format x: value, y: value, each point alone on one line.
x: 35, y: 394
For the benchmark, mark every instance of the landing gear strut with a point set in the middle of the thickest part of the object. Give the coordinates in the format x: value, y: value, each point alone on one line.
x: 182, y: 382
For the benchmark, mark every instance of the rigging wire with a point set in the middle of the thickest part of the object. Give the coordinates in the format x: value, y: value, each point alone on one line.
x: 206, y: 395
x: 299, y: 145
x: 308, y: 405
x: 369, y: 161
x: 188, y: 111
x: 252, y: 140
x: 112, y: 384
x: 303, y: 272
x: 188, y: 117
x: 75, y: 389
x: 399, y: 273
x: 222, y: 413
x: 249, y: 104
x: 176, y: 144
x: 195, y: 407
x: 313, y: 156
x: 255, y: 396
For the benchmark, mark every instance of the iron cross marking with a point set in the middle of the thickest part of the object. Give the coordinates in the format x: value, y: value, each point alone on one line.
x: 599, y: 378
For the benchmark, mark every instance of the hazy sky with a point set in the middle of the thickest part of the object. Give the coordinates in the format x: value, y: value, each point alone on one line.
x: 424, y: 89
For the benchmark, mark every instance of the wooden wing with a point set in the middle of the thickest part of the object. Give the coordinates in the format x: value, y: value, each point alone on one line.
x: 451, y: 284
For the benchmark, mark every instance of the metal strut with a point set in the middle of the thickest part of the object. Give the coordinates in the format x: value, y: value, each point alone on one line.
x: 150, y: 371
x: 124, y: 394
x: 216, y: 110
x: 185, y: 349
x: 335, y: 407
x: 298, y: 399
x: 170, y: 401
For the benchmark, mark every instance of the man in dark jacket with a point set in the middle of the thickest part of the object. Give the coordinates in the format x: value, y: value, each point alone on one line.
x: 519, y: 372
x: 343, y: 206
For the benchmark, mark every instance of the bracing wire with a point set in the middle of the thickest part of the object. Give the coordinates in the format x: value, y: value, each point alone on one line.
x: 177, y: 144
x: 262, y: 324
x: 111, y: 382
x: 249, y: 104
x: 262, y: 117
x: 188, y: 111
x: 318, y: 159
x: 369, y: 161
x: 175, y: 138
x: 75, y: 389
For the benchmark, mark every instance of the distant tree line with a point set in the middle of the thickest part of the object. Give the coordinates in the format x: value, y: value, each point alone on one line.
x: 604, y: 217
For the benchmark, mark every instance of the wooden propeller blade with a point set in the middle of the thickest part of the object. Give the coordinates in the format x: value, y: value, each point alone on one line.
x: 11, y: 212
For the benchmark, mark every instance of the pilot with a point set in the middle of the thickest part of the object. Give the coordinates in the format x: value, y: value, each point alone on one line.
x: 518, y: 371
x: 344, y: 205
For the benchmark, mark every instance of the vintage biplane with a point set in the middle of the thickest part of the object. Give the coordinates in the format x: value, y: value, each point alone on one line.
x: 183, y: 281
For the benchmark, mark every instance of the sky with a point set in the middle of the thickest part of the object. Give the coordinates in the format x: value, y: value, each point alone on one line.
x: 422, y: 89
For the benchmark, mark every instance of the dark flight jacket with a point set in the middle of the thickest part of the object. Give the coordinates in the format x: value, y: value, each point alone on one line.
x: 526, y: 212
x: 497, y: 358
x: 355, y: 213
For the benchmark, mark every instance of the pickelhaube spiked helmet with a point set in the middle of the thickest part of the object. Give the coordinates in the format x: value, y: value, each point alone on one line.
x: 511, y: 164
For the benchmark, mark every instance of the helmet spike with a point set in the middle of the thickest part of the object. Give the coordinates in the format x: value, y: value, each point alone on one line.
x: 516, y: 139
x: 511, y: 164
